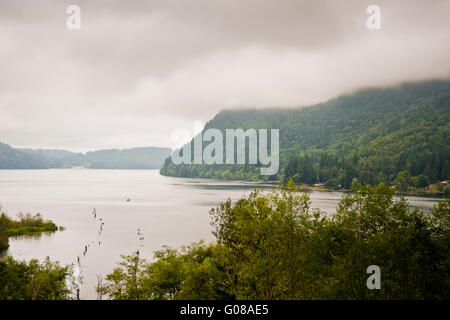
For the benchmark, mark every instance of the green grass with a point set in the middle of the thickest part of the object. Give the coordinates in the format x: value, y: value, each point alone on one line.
x: 26, y: 225
x: 28, y: 230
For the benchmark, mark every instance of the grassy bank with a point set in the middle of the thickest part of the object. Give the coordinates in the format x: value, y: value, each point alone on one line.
x: 26, y: 225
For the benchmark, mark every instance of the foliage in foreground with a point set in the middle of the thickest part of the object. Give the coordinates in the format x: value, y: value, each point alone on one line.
x: 273, y: 246
x: 20, y: 280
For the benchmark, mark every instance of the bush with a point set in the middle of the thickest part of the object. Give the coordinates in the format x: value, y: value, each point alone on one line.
x: 27, y: 224
x: 20, y: 280
x: 447, y: 191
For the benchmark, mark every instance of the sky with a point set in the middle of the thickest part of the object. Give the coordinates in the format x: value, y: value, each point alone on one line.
x: 136, y: 71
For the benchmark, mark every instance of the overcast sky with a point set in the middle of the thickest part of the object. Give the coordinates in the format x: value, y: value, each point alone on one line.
x: 137, y: 70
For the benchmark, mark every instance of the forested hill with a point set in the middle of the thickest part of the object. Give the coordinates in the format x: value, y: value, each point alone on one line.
x: 373, y: 135
x: 136, y: 158
x: 11, y: 158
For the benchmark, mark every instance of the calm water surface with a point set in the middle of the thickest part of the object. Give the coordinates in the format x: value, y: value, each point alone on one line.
x: 168, y: 211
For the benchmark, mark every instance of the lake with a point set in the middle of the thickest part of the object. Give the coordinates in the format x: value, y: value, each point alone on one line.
x: 168, y: 211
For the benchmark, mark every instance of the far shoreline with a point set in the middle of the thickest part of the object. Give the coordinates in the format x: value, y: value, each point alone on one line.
x: 275, y: 184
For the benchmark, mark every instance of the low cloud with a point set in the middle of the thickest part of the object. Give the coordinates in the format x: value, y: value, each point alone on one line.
x: 135, y: 72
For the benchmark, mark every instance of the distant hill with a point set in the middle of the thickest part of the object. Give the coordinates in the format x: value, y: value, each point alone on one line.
x: 371, y: 135
x: 136, y: 158
x: 11, y: 158
x: 54, y: 154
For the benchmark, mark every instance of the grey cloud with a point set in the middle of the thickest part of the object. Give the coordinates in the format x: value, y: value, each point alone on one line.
x: 138, y: 70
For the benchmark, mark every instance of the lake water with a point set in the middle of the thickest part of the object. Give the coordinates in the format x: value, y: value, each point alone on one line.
x: 168, y: 211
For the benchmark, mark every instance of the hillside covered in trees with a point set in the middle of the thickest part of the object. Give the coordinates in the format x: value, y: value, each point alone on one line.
x: 11, y: 158
x: 136, y: 158
x: 398, y: 135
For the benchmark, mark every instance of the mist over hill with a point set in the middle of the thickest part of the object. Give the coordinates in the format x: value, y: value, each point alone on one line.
x: 372, y: 135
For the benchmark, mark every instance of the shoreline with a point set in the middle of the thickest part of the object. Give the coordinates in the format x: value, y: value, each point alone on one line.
x: 276, y: 184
